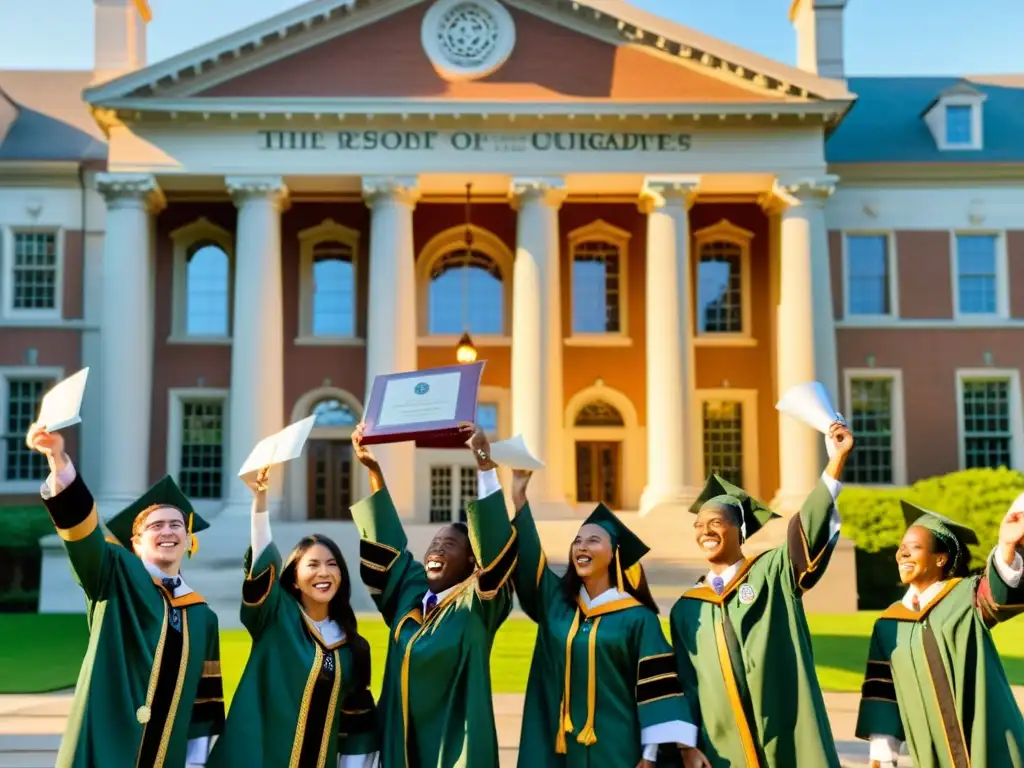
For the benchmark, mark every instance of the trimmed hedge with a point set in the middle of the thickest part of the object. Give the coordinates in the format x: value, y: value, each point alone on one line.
x: 20, y: 556
x: 873, y: 520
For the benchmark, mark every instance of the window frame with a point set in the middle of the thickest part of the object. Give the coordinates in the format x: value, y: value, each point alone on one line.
x: 974, y: 101
x: 748, y: 399
x: 1011, y: 375
x: 326, y: 231
x: 892, y: 282
x: 184, y: 239
x: 1002, y: 276
x: 724, y: 231
x: 600, y: 231
x: 177, y: 397
x: 7, y: 275
x: 10, y: 373
x: 897, y: 417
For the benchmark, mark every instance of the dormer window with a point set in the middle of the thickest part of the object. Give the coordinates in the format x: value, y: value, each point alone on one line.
x: 959, y: 118
x: 955, y: 118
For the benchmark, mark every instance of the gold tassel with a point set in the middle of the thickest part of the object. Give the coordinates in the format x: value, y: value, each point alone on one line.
x: 619, y: 584
x: 564, y: 719
x: 193, y: 542
x: 633, y: 575
x: 587, y: 735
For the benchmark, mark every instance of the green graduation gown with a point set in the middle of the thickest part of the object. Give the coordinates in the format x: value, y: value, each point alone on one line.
x: 436, y: 709
x: 150, y: 680
x: 298, y: 703
x: 934, y: 679
x: 745, y: 656
x: 621, y: 678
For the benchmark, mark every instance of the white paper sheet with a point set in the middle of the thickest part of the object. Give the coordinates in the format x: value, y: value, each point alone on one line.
x: 283, y: 446
x: 810, y: 404
x: 515, y: 454
x: 61, y: 405
x: 417, y: 399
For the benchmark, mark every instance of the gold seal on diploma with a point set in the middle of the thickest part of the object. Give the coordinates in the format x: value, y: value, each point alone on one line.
x: 142, y: 714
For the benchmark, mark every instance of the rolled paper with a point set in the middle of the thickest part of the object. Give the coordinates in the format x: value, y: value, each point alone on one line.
x: 280, y: 447
x: 514, y: 453
x: 61, y: 406
x: 810, y: 404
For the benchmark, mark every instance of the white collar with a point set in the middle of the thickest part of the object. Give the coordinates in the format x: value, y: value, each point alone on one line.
x: 923, y: 597
x: 440, y: 596
x: 328, y: 628
x: 726, y: 576
x: 609, y: 595
x: 180, y: 591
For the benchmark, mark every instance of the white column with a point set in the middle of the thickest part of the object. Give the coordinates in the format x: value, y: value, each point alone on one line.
x: 256, y: 402
x: 537, y: 387
x: 672, y: 470
x: 806, y: 347
x: 391, y: 313
x: 126, y: 336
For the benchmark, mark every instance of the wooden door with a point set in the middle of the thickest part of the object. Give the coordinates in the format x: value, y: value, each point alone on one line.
x: 597, y: 473
x: 330, y: 480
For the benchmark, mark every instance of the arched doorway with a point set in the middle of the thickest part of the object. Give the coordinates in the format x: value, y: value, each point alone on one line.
x: 598, y: 461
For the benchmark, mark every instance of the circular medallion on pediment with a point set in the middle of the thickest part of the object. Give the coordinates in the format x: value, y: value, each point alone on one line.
x: 468, y: 39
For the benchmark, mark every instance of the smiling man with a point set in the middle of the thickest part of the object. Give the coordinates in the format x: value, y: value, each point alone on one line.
x: 149, y: 692
x: 443, y: 614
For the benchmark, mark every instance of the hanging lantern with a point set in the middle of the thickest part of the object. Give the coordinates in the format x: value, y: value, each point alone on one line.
x: 465, y: 352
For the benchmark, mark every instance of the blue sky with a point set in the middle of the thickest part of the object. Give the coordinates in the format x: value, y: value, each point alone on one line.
x: 882, y: 36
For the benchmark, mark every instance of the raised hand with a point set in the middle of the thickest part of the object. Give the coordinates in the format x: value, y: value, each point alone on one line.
x: 50, y: 444
x: 1011, y: 530
x: 363, y: 454
x: 478, y: 444
x: 520, y: 481
x: 259, y: 481
x: 839, y: 440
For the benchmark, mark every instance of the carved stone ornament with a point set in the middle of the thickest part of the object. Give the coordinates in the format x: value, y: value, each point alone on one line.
x: 246, y: 188
x: 125, y: 190
x: 467, y: 39
x: 395, y: 189
x: 544, y: 189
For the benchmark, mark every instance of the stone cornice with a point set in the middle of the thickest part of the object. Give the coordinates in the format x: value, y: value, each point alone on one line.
x: 125, y: 190
x: 661, y: 191
x: 549, y: 190
x: 809, y: 189
x: 396, y: 189
x: 247, y: 188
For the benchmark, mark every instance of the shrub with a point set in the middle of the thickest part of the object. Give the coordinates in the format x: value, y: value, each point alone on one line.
x: 20, y: 555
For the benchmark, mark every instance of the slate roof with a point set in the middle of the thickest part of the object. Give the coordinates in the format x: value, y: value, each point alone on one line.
x: 886, y: 125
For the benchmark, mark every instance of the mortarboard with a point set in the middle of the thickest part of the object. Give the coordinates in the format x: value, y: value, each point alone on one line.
x: 628, y: 548
x: 719, y: 491
x: 165, y: 493
x: 956, y: 536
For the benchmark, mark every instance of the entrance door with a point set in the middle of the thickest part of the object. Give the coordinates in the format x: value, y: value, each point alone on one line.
x: 330, y: 479
x: 597, y: 472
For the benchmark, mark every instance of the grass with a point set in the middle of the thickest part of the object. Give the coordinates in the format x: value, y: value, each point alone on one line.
x: 41, y: 653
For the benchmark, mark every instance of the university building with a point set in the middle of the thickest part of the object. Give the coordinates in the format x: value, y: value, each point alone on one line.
x: 647, y: 233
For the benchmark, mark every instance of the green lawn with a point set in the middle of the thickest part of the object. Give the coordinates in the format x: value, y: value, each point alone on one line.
x: 43, y: 652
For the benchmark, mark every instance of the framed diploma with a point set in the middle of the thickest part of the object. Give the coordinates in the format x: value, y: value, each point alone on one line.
x: 423, y: 406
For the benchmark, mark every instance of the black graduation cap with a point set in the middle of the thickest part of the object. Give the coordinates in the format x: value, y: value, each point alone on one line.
x: 718, y: 490
x: 165, y: 493
x: 936, y: 523
x: 629, y: 549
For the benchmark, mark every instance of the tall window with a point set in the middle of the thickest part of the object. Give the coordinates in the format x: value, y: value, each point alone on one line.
x: 723, y: 440
x: 959, y: 124
x: 23, y: 399
x: 201, y: 473
x: 871, y: 418
x: 334, y: 290
x: 596, y: 293
x: 207, y: 303
x: 977, y: 274
x: 34, y: 271
x: 867, y: 274
x: 487, y: 418
x: 466, y: 293
x: 987, y: 423
x: 723, y: 282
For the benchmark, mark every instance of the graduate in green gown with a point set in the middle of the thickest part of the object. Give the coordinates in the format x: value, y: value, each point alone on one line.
x: 603, y: 689
x: 740, y: 636
x: 303, y: 699
x: 435, y: 706
x: 149, y: 694
x: 934, y: 679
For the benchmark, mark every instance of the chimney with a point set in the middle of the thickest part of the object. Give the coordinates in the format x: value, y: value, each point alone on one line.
x: 819, y: 36
x: 120, y: 39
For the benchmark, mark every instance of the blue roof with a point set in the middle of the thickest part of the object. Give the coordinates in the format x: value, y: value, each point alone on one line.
x: 885, y: 124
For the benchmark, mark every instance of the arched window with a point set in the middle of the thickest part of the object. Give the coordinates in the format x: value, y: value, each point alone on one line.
x: 207, y: 290
x: 332, y: 412
x: 723, y: 280
x: 600, y: 254
x: 466, y: 292
x: 334, y: 290
x: 599, y: 414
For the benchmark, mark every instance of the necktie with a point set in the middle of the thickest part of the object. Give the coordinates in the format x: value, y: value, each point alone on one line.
x: 915, y: 603
x: 431, y: 602
x: 171, y: 584
x: 718, y: 584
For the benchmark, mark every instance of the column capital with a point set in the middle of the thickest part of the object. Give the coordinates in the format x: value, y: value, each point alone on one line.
x: 246, y: 188
x: 663, y: 191
x: 399, y: 189
x: 131, y: 190
x: 806, y: 189
x: 549, y: 190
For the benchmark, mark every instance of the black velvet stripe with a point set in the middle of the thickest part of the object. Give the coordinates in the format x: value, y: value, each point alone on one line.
x: 797, y: 547
x: 739, y: 673
x: 499, y: 570
x: 656, y: 666
x: 71, y: 506
x: 373, y: 579
x: 316, y: 717
x: 947, y: 702
x: 364, y: 721
x: 878, y: 689
x: 377, y: 554
x: 256, y: 589
x: 208, y: 712
x: 656, y: 689
x: 210, y: 688
x: 163, y: 696
x: 878, y: 671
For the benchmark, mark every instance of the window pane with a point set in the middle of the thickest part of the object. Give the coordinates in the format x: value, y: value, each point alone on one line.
x: 208, y: 286
x: 976, y: 274
x: 34, y: 272
x: 988, y: 439
x: 595, y: 288
x: 202, y: 449
x: 468, y: 487
x: 723, y: 440
x: 24, y: 396
x: 720, y: 289
x: 333, y: 413
x: 334, y: 294
x: 599, y: 414
x: 440, y: 494
x: 867, y: 264
x: 487, y: 417
x: 958, y: 124
x: 871, y: 421
x: 466, y: 293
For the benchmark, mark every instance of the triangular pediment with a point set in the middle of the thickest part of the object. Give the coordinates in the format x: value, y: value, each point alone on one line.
x: 378, y: 52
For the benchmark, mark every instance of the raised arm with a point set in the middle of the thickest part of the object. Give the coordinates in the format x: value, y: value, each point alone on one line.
x: 535, y: 583
x: 390, y: 572
x: 261, y: 593
x: 814, y: 532
x: 878, y: 717
x: 1000, y: 594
